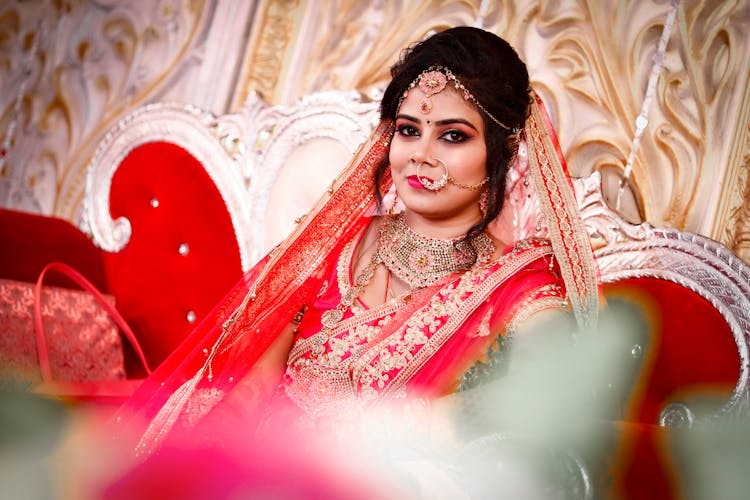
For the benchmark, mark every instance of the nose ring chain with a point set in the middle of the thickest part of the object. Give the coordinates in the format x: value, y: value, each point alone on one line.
x: 474, y: 186
x: 445, y: 179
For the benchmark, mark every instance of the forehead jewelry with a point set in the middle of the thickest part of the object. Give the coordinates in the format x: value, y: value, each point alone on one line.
x: 433, y: 80
x: 430, y: 83
x: 430, y: 184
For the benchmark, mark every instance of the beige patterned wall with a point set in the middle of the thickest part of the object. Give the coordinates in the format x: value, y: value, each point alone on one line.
x: 733, y: 219
x: 589, y: 60
x: 70, y: 69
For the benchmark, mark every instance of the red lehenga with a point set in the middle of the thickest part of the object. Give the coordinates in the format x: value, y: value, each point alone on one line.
x: 418, y: 347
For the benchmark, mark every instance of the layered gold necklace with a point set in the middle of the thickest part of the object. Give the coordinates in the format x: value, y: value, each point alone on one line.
x: 421, y: 261
x: 417, y: 260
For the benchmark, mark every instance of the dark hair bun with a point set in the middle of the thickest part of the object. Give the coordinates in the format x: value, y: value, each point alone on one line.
x: 485, y: 63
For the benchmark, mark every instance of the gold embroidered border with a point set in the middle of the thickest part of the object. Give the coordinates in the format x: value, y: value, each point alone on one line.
x: 299, y: 256
x: 568, y: 234
x: 292, y: 262
x: 306, y: 344
x: 541, y: 299
x: 453, y: 323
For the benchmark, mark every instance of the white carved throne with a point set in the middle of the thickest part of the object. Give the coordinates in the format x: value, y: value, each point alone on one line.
x: 270, y: 163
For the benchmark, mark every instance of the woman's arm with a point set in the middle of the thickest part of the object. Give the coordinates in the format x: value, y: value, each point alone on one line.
x: 263, y: 378
x: 514, y: 377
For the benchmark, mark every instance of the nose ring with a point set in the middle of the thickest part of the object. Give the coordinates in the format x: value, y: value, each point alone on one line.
x: 433, y: 185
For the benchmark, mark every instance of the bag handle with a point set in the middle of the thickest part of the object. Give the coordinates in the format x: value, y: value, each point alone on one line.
x: 79, y: 279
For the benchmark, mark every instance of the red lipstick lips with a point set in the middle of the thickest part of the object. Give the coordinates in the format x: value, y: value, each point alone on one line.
x: 413, y: 181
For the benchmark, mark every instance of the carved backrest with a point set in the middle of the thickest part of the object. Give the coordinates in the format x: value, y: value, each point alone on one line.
x: 184, y: 202
x: 295, y: 152
x: 164, y: 202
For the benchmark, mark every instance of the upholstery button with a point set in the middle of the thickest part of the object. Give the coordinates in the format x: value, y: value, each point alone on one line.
x: 636, y: 351
x: 191, y: 317
x: 184, y: 249
x: 154, y: 202
x: 676, y: 415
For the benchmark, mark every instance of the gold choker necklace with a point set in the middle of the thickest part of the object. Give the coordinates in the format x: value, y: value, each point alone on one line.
x: 421, y: 261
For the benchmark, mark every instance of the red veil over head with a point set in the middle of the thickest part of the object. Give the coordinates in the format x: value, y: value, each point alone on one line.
x: 227, y: 343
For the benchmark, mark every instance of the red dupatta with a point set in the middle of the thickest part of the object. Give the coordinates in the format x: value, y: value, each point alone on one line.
x: 227, y: 343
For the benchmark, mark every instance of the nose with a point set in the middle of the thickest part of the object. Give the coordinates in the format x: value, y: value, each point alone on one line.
x: 422, y: 154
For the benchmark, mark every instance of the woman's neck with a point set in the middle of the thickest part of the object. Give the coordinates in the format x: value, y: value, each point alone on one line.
x: 442, y: 229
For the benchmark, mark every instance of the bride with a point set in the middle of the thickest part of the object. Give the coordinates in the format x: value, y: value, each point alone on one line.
x: 366, y: 305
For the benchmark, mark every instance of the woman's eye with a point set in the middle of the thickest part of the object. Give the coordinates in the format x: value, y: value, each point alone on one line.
x: 408, y: 131
x: 454, y: 136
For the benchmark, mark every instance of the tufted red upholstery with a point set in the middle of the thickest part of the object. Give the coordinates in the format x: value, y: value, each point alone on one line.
x: 690, y: 354
x: 155, y: 286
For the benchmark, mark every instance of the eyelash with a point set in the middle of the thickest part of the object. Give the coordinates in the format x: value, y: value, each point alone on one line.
x: 411, y: 131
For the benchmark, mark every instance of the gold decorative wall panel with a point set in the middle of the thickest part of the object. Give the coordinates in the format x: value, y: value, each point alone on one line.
x: 75, y: 67
x: 70, y: 69
x: 267, y: 50
x: 590, y: 61
x: 734, y: 228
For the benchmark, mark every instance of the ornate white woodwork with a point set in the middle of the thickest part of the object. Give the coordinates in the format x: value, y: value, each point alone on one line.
x: 269, y: 163
x: 94, y: 62
x: 296, y: 152
x: 213, y: 142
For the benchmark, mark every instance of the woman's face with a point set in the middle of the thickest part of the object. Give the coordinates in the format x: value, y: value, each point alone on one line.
x: 452, y: 131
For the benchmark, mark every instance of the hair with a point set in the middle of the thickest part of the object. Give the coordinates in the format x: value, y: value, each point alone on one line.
x: 494, y: 73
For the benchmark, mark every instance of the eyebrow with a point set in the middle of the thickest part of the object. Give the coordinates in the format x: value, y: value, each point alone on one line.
x: 447, y: 121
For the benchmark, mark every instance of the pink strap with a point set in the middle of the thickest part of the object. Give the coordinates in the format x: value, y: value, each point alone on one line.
x: 41, y: 341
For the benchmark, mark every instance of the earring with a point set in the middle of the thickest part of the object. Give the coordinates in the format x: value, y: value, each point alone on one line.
x: 392, y: 208
x: 483, y: 199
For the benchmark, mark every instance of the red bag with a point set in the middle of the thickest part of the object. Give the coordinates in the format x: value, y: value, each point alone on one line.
x: 80, y: 356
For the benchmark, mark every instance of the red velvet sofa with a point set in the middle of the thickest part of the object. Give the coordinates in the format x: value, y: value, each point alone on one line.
x: 181, y: 257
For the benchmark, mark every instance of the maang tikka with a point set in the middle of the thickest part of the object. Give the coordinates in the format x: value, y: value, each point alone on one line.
x: 432, y: 81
